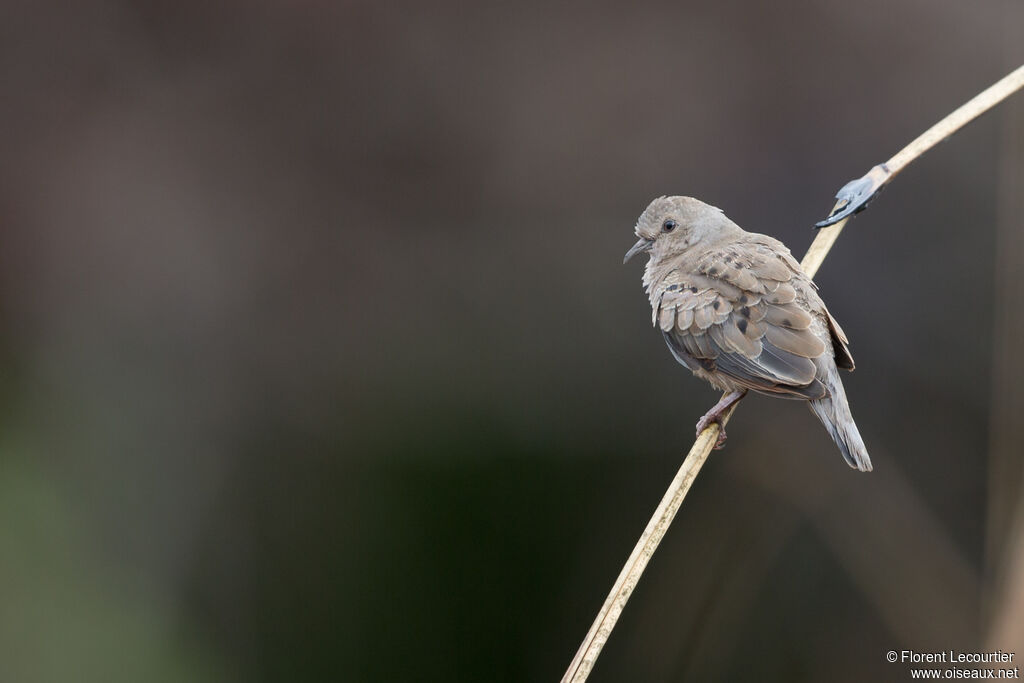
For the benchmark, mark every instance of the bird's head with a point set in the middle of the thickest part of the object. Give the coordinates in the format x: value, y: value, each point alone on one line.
x: 671, y: 225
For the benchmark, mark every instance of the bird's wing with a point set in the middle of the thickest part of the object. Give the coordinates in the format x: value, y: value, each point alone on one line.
x: 840, y: 344
x: 736, y: 312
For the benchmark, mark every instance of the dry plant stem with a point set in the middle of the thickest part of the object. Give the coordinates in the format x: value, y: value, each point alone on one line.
x: 607, y: 617
x: 855, y: 195
x: 970, y: 110
x: 602, y: 627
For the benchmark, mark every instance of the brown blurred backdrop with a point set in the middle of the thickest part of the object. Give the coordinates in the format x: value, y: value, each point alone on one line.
x: 319, y: 362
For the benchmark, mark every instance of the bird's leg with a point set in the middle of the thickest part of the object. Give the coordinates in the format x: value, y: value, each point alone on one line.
x: 715, y: 415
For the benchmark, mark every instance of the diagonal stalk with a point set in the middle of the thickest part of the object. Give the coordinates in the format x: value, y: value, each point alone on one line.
x: 608, y: 616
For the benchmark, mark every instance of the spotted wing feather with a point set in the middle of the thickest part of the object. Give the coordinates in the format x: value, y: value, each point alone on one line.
x: 737, y: 313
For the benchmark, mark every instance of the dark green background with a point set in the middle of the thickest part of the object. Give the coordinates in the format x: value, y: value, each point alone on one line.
x: 319, y: 361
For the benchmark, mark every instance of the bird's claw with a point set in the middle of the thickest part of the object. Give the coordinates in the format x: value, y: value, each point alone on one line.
x: 708, y: 420
x: 854, y: 196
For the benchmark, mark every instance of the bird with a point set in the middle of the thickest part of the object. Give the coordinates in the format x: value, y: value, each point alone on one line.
x: 737, y: 310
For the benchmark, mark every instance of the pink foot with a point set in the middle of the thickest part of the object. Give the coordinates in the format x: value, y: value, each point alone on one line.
x: 714, y: 416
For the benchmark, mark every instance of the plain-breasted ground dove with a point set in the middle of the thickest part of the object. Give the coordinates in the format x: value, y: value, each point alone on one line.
x: 736, y: 308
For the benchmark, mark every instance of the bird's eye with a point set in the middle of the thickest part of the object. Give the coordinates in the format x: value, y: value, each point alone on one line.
x: 669, y: 225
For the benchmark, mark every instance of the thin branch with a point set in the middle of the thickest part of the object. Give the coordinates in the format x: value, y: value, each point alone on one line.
x: 581, y: 665
x: 967, y: 112
x: 602, y: 627
x: 856, y: 194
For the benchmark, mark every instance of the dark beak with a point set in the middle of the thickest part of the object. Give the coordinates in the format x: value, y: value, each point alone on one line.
x: 642, y: 244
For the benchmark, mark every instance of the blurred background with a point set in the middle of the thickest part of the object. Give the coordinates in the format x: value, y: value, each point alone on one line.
x: 319, y: 361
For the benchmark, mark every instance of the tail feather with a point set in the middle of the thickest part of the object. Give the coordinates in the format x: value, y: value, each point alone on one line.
x: 834, y: 413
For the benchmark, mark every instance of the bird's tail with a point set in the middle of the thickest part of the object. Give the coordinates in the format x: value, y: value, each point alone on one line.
x: 834, y: 413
